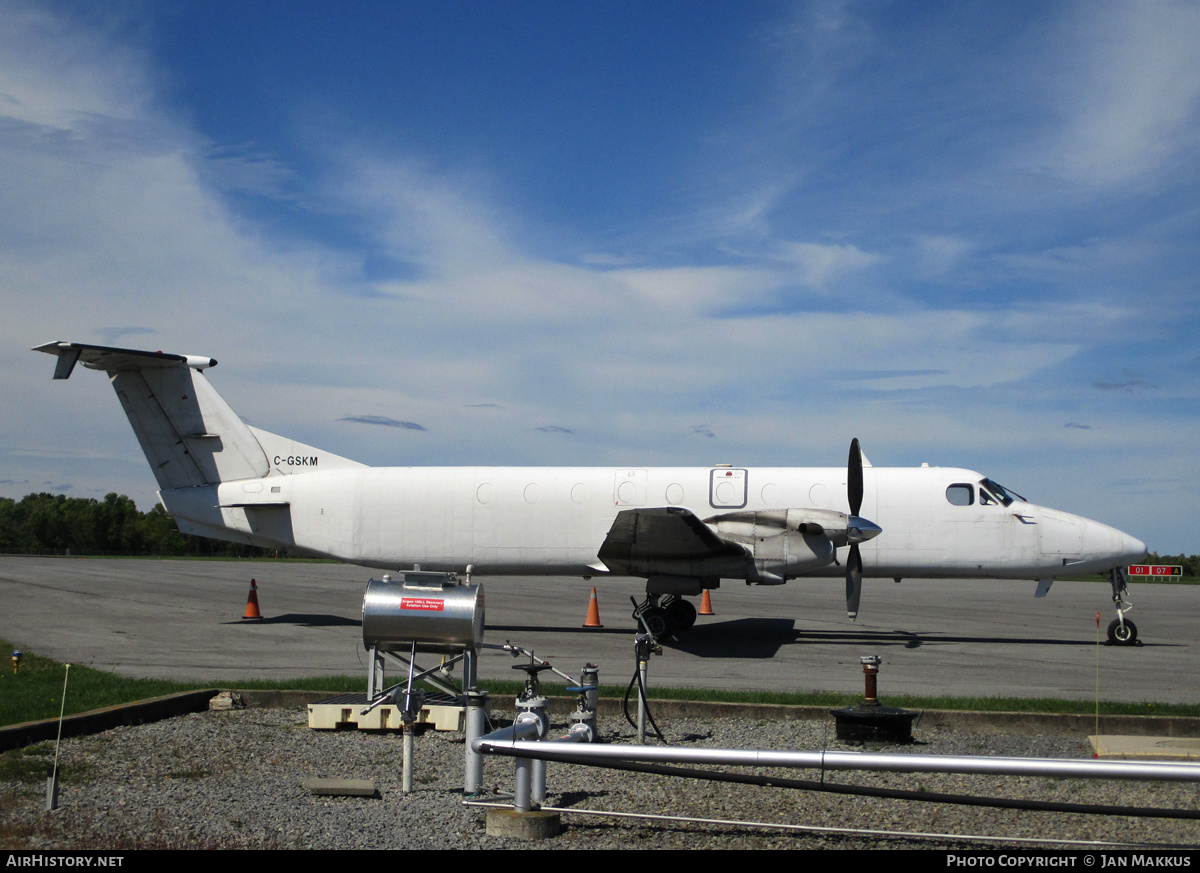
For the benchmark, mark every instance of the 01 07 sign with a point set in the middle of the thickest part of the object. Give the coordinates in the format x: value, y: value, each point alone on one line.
x: 1156, y: 570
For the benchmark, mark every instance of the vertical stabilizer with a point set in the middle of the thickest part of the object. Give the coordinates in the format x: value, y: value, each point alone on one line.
x: 189, y: 434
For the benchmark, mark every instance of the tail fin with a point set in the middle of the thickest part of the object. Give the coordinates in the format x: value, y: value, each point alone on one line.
x: 188, y: 432
x: 190, y: 435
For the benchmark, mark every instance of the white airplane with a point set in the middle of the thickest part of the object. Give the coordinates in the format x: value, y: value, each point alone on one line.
x: 683, y: 529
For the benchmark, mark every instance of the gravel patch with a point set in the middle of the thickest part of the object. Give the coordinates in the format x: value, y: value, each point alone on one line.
x: 233, y: 780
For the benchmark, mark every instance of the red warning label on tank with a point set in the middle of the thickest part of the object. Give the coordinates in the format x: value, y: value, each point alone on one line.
x: 424, y: 604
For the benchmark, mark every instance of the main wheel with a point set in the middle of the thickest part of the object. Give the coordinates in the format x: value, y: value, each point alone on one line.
x: 682, y: 613
x: 1122, y: 636
x: 658, y: 622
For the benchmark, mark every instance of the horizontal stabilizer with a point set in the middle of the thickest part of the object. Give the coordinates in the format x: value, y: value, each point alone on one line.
x: 115, y: 360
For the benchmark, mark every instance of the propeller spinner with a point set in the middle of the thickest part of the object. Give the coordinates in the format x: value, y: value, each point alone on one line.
x: 858, y: 529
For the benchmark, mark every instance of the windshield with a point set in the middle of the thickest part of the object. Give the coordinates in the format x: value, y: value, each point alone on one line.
x: 988, y: 488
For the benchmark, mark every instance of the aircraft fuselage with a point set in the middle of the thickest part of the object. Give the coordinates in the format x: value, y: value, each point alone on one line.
x: 554, y: 520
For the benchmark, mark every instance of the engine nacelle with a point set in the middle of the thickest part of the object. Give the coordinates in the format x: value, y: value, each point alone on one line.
x: 784, y: 542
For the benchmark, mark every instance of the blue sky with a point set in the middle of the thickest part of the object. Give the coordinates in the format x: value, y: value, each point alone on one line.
x: 668, y: 233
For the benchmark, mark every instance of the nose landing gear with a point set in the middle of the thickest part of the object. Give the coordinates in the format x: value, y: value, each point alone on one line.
x: 1121, y: 631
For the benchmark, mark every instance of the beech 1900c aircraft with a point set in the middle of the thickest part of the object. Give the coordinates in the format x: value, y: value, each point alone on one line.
x: 681, y: 529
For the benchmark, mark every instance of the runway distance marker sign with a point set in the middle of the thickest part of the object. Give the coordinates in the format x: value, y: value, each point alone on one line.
x: 1155, y: 569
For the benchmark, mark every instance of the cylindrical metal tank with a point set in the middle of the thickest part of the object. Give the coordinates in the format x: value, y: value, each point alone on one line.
x: 439, y: 616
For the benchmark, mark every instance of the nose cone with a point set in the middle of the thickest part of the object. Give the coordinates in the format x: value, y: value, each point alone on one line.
x: 1106, y: 547
x: 1133, y: 550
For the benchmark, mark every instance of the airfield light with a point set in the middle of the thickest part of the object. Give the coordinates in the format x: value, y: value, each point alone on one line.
x: 16, y: 660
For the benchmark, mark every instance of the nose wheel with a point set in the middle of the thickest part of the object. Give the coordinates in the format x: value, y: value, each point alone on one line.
x: 1121, y: 631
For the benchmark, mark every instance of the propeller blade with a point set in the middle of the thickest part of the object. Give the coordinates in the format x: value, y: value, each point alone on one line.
x: 854, y: 495
x: 853, y: 581
x: 854, y: 478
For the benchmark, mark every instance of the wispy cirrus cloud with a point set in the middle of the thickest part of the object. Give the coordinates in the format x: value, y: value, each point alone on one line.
x: 1130, y: 99
x: 383, y: 421
x: 1127, y: 386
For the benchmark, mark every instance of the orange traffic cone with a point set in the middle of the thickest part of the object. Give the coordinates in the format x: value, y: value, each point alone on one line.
x: 593, y: 616
x: 706, y: 604
x: 252, y: 602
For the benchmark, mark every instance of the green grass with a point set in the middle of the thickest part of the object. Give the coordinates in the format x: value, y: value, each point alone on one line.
x: 906, y: 701
x: 28, y: 764
x: 35, y: 692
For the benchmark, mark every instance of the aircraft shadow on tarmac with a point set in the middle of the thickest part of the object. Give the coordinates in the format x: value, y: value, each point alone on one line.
x: 623, y: 630
x: 743, y: 638
x: 763, y: 637
x: 305, y: 619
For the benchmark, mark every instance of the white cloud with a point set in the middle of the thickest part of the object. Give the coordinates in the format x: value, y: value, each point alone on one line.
x: 696, y: 291
x: 1132, y: 107
x: 58, y: 76
x: 939, y: 255
x: 819, y: 264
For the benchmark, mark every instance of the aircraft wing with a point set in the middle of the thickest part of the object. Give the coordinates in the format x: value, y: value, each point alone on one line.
x: 669, y: 540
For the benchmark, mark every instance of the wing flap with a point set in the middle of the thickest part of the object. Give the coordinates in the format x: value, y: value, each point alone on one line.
x: 667, y: 540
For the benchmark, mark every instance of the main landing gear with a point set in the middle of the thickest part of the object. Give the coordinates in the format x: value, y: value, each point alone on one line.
x: 1121, y: 631
x: 664, y: 614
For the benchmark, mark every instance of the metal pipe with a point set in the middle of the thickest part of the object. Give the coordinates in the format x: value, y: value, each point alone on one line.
x: 825, y: 760
x: 523, y: 785
x: 515, y: 650
x: 643, y: 676
x: 406, y: 776
x: 476, y: 716
x: 870, y: 665
x: 590, y: 680
x: 527, y: 726
x: 509, y: 736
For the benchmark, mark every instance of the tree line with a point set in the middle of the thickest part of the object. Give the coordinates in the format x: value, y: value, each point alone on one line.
x: 1190, y: 563
x: 54, y: 523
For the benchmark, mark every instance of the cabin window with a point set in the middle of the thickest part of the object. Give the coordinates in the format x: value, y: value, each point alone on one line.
x: 960, y: 494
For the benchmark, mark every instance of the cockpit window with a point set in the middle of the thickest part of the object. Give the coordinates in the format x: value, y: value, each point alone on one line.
x: 961, y: 494
x: 997, y: 492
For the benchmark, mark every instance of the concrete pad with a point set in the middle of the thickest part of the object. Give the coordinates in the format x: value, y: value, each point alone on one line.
x: 341, y: 787
x: 535, y: 825
x: 1146, y: 748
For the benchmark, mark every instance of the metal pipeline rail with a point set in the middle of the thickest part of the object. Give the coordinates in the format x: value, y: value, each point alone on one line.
x: 827, y: 760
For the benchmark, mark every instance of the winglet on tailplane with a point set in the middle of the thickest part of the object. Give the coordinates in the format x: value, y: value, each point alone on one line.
x: 190, y: 435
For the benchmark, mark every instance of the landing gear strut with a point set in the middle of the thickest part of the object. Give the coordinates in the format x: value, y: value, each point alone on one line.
x: 664, y: 614
x: 1121, y: 631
